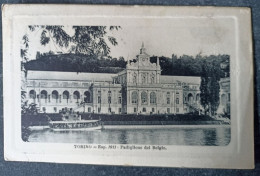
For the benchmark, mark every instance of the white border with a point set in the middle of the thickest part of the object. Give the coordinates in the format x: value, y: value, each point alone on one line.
x: 238, y: 154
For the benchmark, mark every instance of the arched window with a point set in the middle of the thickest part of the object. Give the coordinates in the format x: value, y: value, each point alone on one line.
x: 76, y: 95
x: 134, y: 97
x: 87, y: 97
x: 44, y: 95
x: 66, y: 95
x: 144, y: 97
x: 177, y: 101
x: 190, y: 98
x: 55, y: 95
x: 152, y: 98
x: 32, y: 94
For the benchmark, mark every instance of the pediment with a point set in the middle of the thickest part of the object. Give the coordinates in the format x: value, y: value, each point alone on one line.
x: 142, y: 65
x: 143, y: 62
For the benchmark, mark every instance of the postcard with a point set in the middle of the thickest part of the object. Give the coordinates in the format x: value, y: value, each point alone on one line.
x: 128, y: 85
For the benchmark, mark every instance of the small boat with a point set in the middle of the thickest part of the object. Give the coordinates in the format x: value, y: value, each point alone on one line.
x: 72, y: 121
x: 78, y: 125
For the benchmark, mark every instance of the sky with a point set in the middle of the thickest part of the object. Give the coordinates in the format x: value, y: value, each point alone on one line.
x: 173, y: 40
x: 161, y: 38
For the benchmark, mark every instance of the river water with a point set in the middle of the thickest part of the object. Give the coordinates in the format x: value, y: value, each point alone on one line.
x: 187, y: 135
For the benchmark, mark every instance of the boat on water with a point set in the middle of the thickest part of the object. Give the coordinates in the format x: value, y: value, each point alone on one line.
x: 78, y: 125
x: 72, y: 121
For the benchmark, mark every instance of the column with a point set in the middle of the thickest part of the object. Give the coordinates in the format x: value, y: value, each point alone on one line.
x: 59, y: 96
x: 70, y: 96
x: 148, y: 98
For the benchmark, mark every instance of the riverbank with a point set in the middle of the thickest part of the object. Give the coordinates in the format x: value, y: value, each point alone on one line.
x: 163, y: 126
x: 39, y: 128
x: 126, y: 123
x: 129, y: 119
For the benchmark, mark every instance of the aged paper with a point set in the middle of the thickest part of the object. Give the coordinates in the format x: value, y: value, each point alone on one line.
x: 128, y: 85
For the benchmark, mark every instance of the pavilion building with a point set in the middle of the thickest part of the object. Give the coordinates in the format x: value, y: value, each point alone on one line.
x: 138, y: 89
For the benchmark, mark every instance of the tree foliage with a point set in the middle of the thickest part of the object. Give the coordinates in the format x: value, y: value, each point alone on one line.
x: 204, y: 87
x: 23, y: 53
x: 182, y: 66
x: 209, y: 87
x: 76, y: 63
x: 24, y: 49
x: 189, y: 65
x: 89, y: 40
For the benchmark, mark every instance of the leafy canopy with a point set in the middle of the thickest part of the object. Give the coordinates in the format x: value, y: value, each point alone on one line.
x: 88, y: 40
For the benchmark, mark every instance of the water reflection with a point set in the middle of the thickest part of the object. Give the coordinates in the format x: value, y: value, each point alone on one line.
x: 123, y: 137
x: 213, y: 136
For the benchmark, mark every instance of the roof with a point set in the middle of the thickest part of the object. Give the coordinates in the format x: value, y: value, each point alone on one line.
x: 175, y: 79
x: 69, y: 76
x: 99, y: 77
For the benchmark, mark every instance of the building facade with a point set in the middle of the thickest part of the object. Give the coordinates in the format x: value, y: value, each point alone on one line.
x: 138, y: 89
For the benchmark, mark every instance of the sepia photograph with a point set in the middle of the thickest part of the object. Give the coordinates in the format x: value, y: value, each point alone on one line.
x: 94, y: 84
x: 168, y: 86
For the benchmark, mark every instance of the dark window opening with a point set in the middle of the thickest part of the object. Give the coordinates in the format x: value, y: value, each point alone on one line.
x: 135, y: 110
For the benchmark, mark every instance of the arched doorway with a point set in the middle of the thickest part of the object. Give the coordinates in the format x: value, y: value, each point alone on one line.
x: 87, y: 97
x: 44, y: 95
x: 190, y: 98
x: 66, y: 96
x: 32, y: 95
x: 76, y: 96
x: 55, y: 96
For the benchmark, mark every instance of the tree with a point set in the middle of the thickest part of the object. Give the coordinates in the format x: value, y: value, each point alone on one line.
x: 204, y: 88
x: 209, y: 87
x: 23, y: 55
x: 214, y: 86
x: 89, y: 40
x: 121, y: 62
x: 214, y: 94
